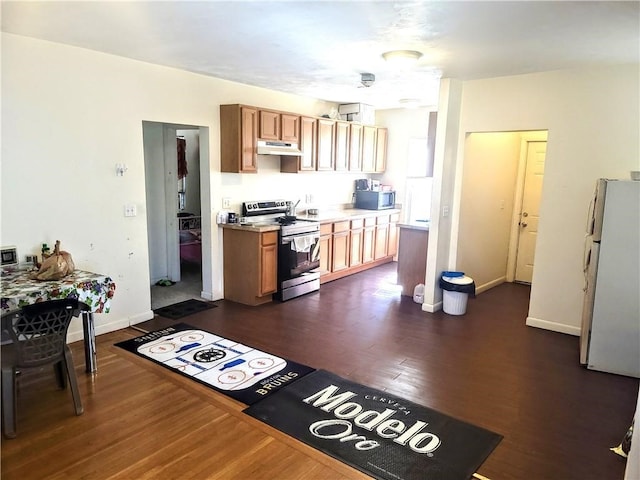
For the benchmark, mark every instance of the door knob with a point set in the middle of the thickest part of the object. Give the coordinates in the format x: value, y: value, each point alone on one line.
x: 525, y: 214
x: 523, y: 224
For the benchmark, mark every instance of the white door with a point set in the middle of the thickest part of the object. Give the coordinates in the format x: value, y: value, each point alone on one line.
x: 530, y: 212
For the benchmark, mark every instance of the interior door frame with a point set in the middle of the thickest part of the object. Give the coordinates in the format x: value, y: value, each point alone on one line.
x: 527, y: 137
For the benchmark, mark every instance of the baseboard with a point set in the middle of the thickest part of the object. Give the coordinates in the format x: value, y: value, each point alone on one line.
x: 493, y: 283
x: 553, y: 326
x: 431, y: 308
x: 77, y: 334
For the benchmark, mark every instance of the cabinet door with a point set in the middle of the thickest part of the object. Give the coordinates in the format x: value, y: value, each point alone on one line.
x: 249, y: 129
x: 368, y: 242
x: 381, y: 150
x: 341, y: 149
x: 340, y: 259
x: 324, y: 155
x: 325, y: 254
x: 381, y: 242
x: 355, y: 147
x: 308, y: 143
x: 268, y: 273
x: 392, y: 245
x: 269, y: 125
x: 290, y: 128
x: 355, y: 247
x: 268, y: 263
x: 368, y: 148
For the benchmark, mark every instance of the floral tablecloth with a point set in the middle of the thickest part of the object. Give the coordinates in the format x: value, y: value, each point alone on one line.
x: 18, y: 289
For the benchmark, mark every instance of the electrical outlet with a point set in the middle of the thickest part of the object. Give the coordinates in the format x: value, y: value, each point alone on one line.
x: 130, y: 210
x: 226, y: 202
x: 445, y: 211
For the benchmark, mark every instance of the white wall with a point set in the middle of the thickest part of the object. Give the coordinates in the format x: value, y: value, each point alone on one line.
x: 403, y: 125
x: 486, y: 208
x: 593, y: 122
x: 70, y: 114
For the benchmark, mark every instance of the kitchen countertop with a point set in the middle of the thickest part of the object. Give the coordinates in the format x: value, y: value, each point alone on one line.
x: 328, y: 216
x: 346, y: 214
x: 415, y: 225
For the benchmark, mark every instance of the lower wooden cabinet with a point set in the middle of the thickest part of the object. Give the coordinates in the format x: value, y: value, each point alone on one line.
x: 250, y: 266
x: 350, y: 246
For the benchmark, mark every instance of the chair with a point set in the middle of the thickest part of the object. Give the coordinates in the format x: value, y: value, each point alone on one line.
x: 32, y: 337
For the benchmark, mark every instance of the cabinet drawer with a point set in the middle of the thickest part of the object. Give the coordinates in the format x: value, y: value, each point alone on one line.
x: 269, y: 238
x: 326, y: 228
x: 355, y: 224
x: 341, y: 226
x: 395, y: 217
x: 382, y: 219
x: 369, y: 221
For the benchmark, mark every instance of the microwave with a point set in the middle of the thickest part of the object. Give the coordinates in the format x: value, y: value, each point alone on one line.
x: 370, y: 200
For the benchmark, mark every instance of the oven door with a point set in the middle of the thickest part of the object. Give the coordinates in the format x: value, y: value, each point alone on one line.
x: 298, y: 254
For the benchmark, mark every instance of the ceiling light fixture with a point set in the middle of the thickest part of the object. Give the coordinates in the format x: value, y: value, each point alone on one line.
x: 402, y: 57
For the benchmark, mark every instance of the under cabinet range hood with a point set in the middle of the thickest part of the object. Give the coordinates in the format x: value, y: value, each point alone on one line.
x: 278, y: 148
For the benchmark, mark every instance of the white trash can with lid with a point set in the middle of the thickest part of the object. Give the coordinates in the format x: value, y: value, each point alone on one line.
x: 456, y: 288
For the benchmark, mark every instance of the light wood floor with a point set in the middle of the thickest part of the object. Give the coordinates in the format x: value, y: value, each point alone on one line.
x: 486, y: 367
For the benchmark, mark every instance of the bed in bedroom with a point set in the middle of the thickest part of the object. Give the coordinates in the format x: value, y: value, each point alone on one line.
x: 190, y: 238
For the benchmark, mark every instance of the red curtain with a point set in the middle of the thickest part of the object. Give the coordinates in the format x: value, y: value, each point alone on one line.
x: 182, y: 158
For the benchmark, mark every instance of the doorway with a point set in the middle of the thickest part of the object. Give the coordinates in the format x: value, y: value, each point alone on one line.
x: 492, y: 198
x: 175, y: 194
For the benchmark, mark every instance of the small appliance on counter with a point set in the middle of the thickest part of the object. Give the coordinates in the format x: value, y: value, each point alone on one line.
x: 374, y: 200
x: 362, y: 184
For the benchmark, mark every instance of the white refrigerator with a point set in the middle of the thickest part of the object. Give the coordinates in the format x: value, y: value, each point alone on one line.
x: 610, y: 335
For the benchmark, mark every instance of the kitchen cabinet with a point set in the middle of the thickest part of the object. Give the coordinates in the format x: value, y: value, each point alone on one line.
x: 381, y: 150
x: 382, y: 237
x: 326, y: 250
x: 278, y: 126
x: 355, y: 147
x: 341, y: 150
x: 325, y: 144
x: 351, y: 245
x: 355, y: 242
x: 412, y: 257
x: 250, y: 265
x: 269, y: 125
x: 340, y: 246
x: 392, y: 244
x: 368, y: 240
x: 369, y: 138
x: 290, y: 128
x: 238, y: 138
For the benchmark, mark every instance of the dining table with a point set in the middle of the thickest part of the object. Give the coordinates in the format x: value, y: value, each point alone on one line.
x: 94, y: 291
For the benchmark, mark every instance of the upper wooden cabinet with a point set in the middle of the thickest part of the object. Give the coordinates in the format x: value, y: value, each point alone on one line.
x: 369, y: 137
x: 269, y: 125
x: 289, y: 128
x: 381, y: 150
x: 341, y: 150
x: 238, y: 138
x: 355, y: 147
x: 278, y: 126
x: 326, y: 144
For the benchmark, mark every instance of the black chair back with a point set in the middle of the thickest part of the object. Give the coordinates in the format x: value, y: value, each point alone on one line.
x: 39, y: 331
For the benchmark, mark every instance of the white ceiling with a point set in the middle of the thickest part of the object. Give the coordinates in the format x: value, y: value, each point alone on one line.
x: 319, y: 49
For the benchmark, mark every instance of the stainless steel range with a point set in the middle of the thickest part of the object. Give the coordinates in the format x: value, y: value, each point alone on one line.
x: 298, y: 246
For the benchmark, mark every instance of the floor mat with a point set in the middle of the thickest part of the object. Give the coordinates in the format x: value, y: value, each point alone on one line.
x: 236, y: 370
x: 183, y: 309
x: 382, y: 435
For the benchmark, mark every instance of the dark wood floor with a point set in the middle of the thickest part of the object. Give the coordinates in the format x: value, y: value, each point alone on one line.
x: 486, y: 367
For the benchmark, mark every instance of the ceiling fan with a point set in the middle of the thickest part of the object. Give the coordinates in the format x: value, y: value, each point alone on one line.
x: 366, y: 80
